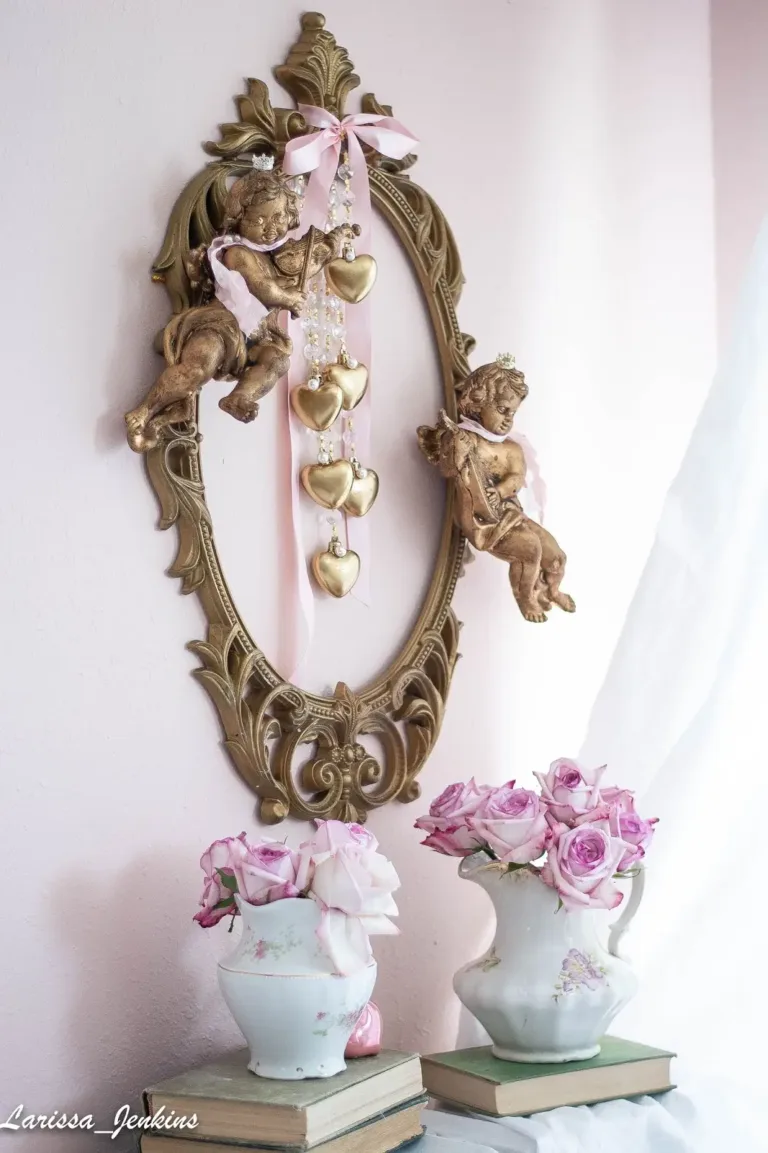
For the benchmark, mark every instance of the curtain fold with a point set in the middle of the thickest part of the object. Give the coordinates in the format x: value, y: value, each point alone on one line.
x: 681, y: 717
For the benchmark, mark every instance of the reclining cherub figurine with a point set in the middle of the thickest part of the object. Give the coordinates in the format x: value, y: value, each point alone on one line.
x: 488, y: 469
x: 243, y: 280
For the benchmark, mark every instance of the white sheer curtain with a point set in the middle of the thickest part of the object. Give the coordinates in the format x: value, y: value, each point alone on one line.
x: 682, y: 717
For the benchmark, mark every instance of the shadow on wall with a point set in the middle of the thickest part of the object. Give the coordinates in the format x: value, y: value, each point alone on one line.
x: 133, y: 362
x: 444, y: 923
x: 139, y: 1012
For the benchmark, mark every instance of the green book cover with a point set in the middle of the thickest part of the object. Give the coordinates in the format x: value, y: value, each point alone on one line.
x: 229, y: 1079
x: 481, y: 1063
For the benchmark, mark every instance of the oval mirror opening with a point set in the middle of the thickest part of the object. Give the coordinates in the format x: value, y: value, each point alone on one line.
x: 246, y: 471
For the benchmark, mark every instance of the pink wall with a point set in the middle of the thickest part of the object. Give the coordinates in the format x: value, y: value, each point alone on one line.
x: 589, y: 252
x: 740, y: 128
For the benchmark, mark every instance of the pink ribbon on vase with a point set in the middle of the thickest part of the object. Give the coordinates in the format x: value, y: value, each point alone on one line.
x: 537, y: 486
x: 319, y: 153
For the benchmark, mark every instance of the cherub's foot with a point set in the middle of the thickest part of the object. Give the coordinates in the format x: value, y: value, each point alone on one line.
x: 532, y: 611
x: 566, y: 603
x: 243, y: 408
x: 141, y: 437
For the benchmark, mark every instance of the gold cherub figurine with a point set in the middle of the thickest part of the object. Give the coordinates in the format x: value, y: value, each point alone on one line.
x: 208, y: 341
x: 488, y: 471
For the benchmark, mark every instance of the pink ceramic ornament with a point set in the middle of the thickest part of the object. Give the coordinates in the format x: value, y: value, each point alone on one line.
x: 366, y: 1035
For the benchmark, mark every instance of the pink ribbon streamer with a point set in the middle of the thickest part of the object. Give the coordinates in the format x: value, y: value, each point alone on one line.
x: 537, y: 485
x: 319, y: 153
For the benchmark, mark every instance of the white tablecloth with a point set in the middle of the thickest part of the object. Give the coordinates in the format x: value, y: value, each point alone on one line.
x: 702, y: 1116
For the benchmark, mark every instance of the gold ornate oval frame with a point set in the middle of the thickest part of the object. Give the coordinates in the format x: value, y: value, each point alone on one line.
x: 266, y: 720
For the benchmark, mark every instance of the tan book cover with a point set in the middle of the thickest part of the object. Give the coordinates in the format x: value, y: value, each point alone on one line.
x: 232, y: 1104
x: 479, y: 1081
x: 383, y: 1134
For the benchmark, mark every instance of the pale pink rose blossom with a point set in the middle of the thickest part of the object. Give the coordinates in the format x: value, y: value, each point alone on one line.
x: 628, y: 825
x: 571, y: 792
x: 269, y: 874
x: 227, y: 856
x: 447, y: 825
x: 216, y: 902
x: 512, y: 824
x: 354, y: 886
x: 581, y: 865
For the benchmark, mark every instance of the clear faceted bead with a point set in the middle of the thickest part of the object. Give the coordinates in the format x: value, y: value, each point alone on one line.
x: 324, y: 457
x: 345, y: 172
x: 347, y: 196
x: 310, y: 351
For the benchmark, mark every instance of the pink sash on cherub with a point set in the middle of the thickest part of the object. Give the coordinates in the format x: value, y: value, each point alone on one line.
x: 231, y: 289
x: 535, y: 484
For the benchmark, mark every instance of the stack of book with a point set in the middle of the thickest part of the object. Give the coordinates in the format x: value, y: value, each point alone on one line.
x: 374, y: 1106
x: 476, y: 1080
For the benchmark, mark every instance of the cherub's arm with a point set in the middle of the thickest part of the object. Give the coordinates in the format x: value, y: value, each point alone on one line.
x: 263, y: 279
x: 512, y: 478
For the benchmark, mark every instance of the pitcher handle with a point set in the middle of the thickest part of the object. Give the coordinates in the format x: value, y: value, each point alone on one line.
x: 622, y: 923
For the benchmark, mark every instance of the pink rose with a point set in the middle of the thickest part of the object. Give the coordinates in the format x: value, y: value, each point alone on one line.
x: 580, y: 866
x: 458, y: 801
x: 269, y: 874
x: 226, y: 856
x: 217, y: 901
x: 330, y: 836
x: 450, y: 840
x: 627, y: 825
x: 359, y: 882
x: 354, y: 886
x: 570, y: 791
x: 448, y: 823
x: 512, y: 824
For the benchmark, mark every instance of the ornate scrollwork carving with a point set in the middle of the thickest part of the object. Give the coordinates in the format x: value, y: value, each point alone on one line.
x: 302, y: 754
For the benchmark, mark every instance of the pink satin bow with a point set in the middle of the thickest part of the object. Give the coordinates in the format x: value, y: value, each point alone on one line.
x: 321, y: 150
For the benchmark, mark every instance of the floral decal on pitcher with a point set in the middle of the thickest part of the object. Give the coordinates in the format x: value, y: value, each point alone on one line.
x: 328, y: 1021
x: 579, y: 971
x: 263, y: 949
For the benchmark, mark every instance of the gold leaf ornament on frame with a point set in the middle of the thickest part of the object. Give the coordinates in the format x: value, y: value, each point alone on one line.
x: 301, y: 753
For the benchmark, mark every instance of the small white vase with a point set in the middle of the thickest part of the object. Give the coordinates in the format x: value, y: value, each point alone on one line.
x: 547, y: 989
x: 294, y: 1011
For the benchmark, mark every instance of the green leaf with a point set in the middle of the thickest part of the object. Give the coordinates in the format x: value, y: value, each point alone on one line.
x: 225, y: 903
x: 559, y: 905
x: 227, y: 881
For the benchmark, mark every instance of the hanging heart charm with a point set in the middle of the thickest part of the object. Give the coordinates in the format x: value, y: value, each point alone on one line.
x: 336, y: 572
x: 317, y: 408
x: 352, y: 381
x: 365, y: 489
x: 328, y: 484
x: 352, y: 280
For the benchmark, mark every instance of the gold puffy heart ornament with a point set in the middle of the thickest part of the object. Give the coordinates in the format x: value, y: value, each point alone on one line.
x: 365, y: 489
x: 328, y: 484
x: 352, y: 280
x: 336, y: 574
x: 317, y: 408
x: 352, y: 381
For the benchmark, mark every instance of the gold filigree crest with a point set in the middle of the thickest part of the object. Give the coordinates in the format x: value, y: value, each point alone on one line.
x: 301, y: 753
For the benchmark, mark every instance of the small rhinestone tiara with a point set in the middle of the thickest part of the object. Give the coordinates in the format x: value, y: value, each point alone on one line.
x: 263, y: 161
x: 506, y: 360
